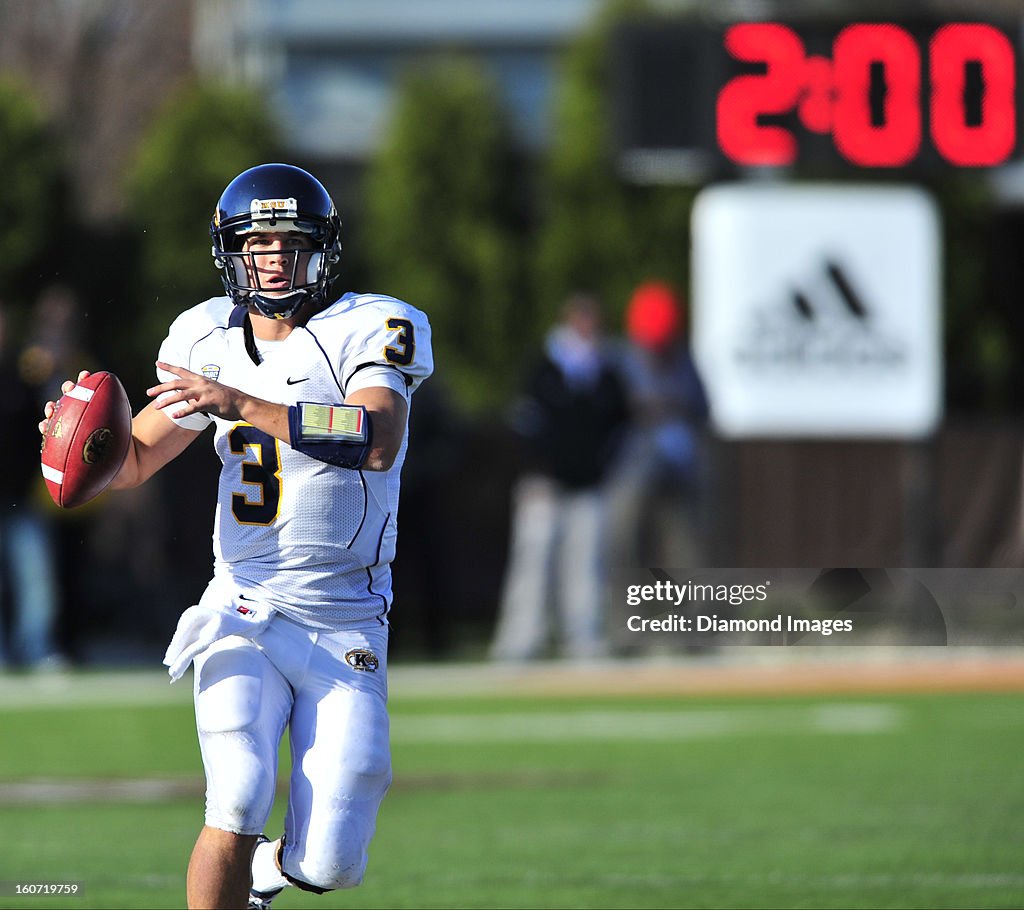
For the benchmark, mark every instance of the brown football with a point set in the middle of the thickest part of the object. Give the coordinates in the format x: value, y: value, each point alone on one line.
x: 86, y: 440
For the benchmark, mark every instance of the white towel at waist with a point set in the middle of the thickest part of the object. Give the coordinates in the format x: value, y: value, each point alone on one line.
x: 220, y: 612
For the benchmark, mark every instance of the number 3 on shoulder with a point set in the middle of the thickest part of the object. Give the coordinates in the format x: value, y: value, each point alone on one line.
x: 403, y: 349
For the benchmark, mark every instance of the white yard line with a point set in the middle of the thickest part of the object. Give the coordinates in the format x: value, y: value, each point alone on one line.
x: 42, y: 791
x: 648, y: 725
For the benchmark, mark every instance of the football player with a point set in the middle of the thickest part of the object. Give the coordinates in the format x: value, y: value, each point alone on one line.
x: 309, y: 400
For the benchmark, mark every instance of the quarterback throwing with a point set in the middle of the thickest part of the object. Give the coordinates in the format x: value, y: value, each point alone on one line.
x: 308, y: 397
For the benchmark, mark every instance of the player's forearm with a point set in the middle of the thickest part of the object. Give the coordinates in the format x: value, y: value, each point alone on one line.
x: 155, y: 442
x: 130, y: 474
x: 141, y: 463
x: 265, y: 415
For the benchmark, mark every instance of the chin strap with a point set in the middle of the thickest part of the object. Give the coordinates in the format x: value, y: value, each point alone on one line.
x: 272, y: 304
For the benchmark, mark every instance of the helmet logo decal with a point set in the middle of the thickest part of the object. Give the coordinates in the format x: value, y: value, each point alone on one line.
x: 274, y: 208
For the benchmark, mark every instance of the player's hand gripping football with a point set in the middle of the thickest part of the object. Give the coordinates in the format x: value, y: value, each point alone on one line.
x: 48, y: 408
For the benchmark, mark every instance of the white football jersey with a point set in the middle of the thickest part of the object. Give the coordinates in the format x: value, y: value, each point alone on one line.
x: 312, y: 540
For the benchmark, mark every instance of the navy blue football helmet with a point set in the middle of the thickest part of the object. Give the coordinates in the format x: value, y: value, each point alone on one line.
x: 265, y: 199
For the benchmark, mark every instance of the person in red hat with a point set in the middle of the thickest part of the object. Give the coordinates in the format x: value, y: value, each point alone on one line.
x: 657, y: 492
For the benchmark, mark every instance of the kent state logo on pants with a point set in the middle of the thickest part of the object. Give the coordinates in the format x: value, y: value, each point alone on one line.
x: 362, y: 659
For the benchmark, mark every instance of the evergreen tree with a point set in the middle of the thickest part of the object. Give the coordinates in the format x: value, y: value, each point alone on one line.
x: 600, y: 231
x: 31, y: 164
x: 441, y: 217
x: 203, y: 138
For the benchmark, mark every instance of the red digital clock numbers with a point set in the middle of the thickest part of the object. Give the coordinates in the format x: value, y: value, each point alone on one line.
x: 869, y: 95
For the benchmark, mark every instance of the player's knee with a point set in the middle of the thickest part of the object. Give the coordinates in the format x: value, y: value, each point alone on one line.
x: 348, y: 878
x: 366, y: 781
x: 327, y: 870
x: 240, y: 788
x: 337, y: 858
x: 320, y: 881
x: 365, y: 770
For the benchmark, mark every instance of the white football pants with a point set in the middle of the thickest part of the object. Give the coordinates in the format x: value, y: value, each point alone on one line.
x: 330, y: 690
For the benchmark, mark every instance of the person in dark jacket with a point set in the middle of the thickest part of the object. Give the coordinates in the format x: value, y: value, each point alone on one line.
x: 28, y: 577
x: 571, y: 421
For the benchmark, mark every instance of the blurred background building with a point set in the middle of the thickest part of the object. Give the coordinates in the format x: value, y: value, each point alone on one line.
x: 487, y: 159
x: 331, y: 68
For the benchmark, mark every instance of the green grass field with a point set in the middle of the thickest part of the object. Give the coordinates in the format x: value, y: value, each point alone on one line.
x: 547, y: 801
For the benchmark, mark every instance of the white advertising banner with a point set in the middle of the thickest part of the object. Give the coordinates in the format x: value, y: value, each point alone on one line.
x: 816, y: 309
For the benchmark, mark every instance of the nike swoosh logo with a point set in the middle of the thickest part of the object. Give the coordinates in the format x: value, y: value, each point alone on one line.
x: 291, y: 381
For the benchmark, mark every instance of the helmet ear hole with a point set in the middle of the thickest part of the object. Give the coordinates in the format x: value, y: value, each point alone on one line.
x: 313, y: 268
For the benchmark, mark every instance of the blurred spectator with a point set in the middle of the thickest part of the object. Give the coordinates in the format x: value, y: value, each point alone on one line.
x: 570, y: 420
x: 28, y: 582
x: 55, y: 346
x: 656, y: 490
x: 54, y: 350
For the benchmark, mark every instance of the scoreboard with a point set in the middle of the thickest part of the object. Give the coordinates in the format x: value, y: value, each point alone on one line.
x: 915, y: 95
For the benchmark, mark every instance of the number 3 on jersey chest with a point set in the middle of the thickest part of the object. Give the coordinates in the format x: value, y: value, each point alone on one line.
x: 260, y: 468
